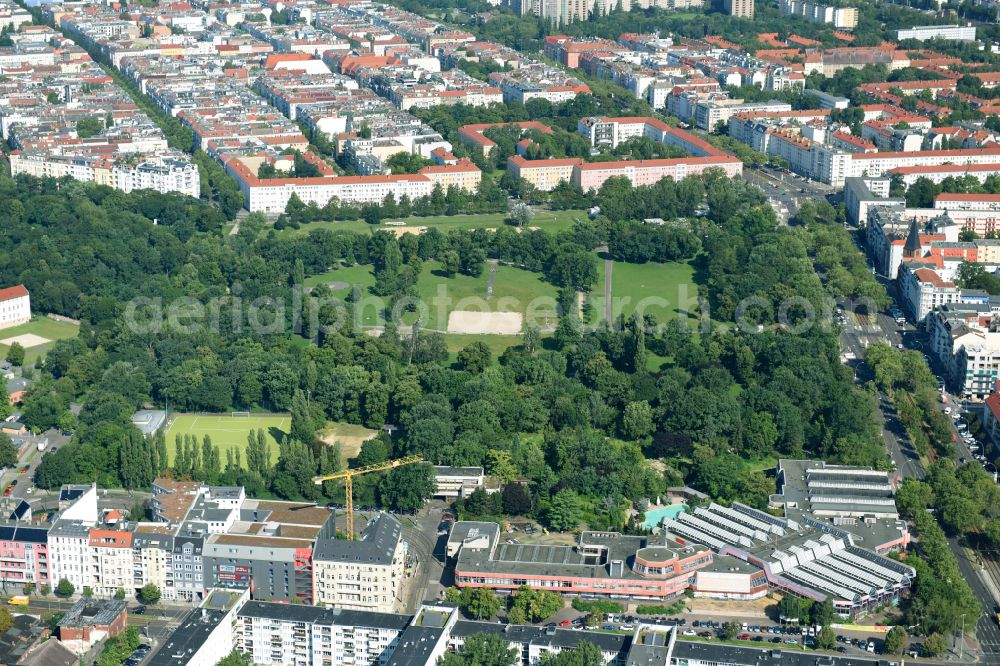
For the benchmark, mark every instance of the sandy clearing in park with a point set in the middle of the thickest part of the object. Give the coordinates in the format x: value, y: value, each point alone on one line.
x: 400, y: 231
x: 350, y: 445
x: 484, y: 323
x: 26, y: 340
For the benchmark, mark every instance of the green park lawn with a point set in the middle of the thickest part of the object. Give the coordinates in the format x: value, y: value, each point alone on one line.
x: 41, y: 326
x: 514, y: 290
x: 439, y: 295
x: 358, y: 274
x: 518, y: 290
x: 656, y: 289
x: 497, y: 344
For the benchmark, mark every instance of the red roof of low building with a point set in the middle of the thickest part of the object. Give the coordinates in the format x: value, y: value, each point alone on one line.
x: 10, y: 293
x: 967, y: 197
x: 931, y: 277
x: 993, y: 401
x: 934, y: 168
x: 110, y: 539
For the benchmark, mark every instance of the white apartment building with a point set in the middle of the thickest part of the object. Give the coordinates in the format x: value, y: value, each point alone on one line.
x: 977, y: 363
x: 961, y: 336
x: 160, y: 174
x: 280, y: 634
x: 923, y: 289
x: 957, y: 32
x: 12, y: 16
x: 364, y: 574
x: 111, y: 561
x: 804, y: 156
x: 843, y: 18
x: 69, y: 554
x: 152, y: 560
x: 163, y: 174
x: 970, y: 202
x: 207, y: 635
x: 271, y: 195
x: 740, y: 8
x: 709, y: 113
x: 15, y: 306
x: 69, y: 536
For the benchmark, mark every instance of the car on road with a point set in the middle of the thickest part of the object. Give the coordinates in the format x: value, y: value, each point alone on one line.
x: 947, y: 410
x: 29, y: 491
x: 743, y: 637
x: 791, y: 641
x: 689, y: 632
x: 627, y: 627
x: 565, y: 623
x: 776, y: 639
x: 23, y: 470
x: 141, y: 610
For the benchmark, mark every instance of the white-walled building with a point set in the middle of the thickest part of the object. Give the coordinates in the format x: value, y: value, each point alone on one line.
x: 166, y: 173
x: 923, y: 289
x: 15, y: 306
x: 361, y: 575
x: 956, y: 32
x: 207, y: 635
x: 843, y: 18
x: 279, y: 634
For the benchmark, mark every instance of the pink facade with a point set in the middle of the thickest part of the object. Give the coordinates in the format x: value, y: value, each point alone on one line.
x: 653, y: 573
x: 648, y: 172
x: 24, y: 560
x: 632, y: 587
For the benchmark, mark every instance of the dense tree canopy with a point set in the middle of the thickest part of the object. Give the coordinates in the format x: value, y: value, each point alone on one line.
x: 574, y: 419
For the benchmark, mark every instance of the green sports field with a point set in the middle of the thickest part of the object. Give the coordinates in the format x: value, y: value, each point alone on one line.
x: 42, y: 326
x: 227, y: 432
x: 230, y: 432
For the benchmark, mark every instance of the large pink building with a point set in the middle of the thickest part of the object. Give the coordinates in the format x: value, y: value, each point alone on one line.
x: 592, y: 175
x: 24, y: 554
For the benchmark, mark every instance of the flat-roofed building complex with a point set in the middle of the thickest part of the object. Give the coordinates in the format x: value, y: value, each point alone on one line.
x: 838, y: 524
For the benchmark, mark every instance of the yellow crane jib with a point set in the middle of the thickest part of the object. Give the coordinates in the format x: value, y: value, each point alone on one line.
x: 348, y: 476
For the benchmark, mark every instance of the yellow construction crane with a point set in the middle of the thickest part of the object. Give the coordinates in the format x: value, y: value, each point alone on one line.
x: 348, y: 476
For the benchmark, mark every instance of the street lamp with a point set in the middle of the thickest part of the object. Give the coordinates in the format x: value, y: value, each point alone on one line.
x: 961, y: 647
